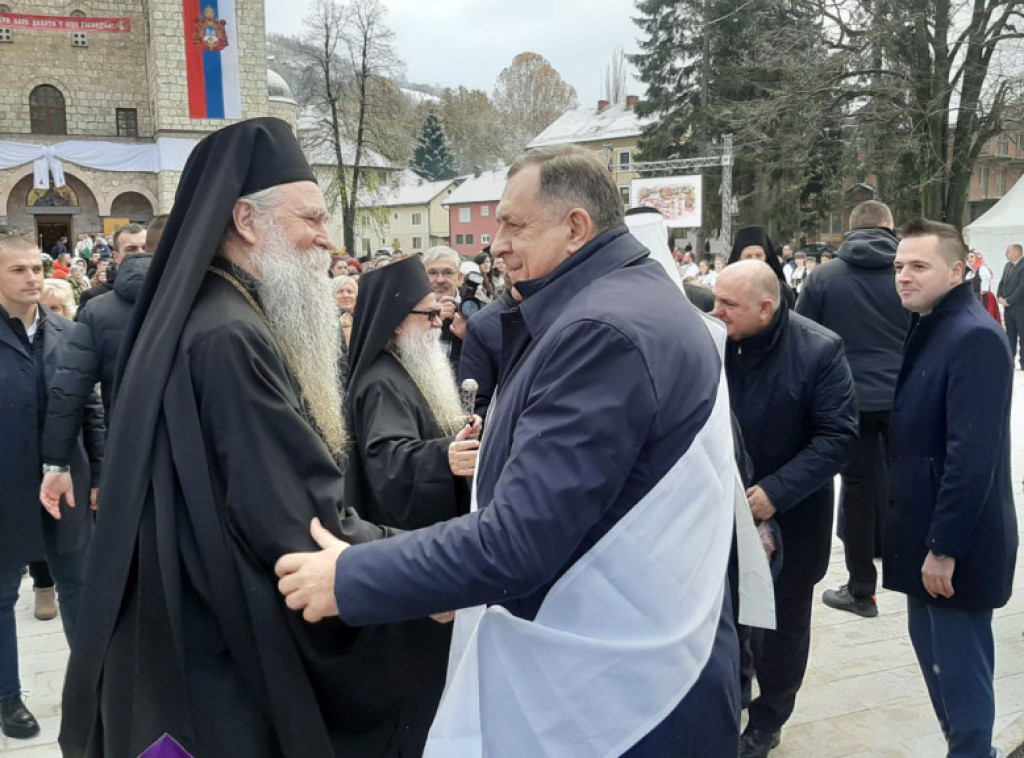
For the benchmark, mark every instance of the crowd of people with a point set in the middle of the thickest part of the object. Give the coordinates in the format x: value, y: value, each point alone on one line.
x: 269, y: 474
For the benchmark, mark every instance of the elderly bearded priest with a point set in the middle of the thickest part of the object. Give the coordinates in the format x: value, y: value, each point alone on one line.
x: 223, y: 445
x: 605, y: 487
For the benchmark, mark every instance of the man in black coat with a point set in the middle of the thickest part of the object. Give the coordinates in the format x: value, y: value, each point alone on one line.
x: 1011, y: 297
x: 855, y: 297
x: 951, y: 532
x: 90, y: 358
x: 230, y: 444
x: 128, y: 241
x: 31, y: 338
x: 406, y: 471
x: 792, y: 393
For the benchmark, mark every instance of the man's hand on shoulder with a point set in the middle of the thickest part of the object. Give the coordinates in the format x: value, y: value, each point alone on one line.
x: 937, y: 574
x: 307, y: 579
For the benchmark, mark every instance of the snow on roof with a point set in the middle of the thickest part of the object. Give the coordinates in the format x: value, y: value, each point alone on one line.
x: 485, y: 188
x: 314, y: 133
x: 411, y: 189
x: 589, y: 125
x: 420, y: 97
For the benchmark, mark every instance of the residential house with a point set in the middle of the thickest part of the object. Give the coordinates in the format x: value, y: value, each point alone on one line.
x: 471, y: 211
x: 612, y: 130
x: 407, y: 215
x: 999, y: 166
x: 377, y: 173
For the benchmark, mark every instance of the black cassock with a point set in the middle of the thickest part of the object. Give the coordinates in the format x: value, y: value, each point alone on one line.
x: 203, y: 646
x: 398, y: 476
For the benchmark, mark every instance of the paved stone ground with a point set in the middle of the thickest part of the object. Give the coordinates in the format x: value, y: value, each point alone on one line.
x: 863, y: 696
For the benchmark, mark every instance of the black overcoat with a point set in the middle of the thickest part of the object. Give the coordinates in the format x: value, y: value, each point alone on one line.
x: 950, y: 488
x: 791, y: 390
x: 24, y: 526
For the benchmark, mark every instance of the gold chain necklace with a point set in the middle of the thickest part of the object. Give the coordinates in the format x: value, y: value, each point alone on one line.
x: 242, y: 291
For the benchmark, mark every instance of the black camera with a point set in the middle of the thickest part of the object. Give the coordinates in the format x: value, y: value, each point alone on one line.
x: 469, y: 303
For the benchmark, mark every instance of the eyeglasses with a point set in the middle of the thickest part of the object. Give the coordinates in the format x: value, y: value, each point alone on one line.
x: 433, y: 313
x: 446, y: 273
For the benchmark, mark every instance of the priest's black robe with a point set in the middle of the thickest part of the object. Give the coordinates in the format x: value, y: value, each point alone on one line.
x: 399, y: 476
x: 203, y: 646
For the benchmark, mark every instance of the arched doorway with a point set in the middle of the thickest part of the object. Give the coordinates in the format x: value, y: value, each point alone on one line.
x: 52, y: 213
x: 132, y: 206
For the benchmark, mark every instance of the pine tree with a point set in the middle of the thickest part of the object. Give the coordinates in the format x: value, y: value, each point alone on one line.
x: 714, y: 67
x: 432, y: 159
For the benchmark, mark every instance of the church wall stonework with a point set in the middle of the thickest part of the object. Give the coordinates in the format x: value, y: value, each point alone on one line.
x: 109, y: 73
x: 170, y: 85
x: 143, y: 69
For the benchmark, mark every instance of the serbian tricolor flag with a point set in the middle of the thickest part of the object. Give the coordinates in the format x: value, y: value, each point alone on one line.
x: 211, y: 58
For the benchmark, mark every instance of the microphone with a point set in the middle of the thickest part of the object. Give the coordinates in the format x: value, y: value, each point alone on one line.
x: 468, y: 395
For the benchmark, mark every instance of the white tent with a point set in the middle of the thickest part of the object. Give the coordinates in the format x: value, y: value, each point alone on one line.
x: 999, y: 226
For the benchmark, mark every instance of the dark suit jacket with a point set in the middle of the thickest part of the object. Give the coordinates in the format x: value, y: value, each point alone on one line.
x: 950, y: 486
x: 1011, y: 286
x: 24, y: 525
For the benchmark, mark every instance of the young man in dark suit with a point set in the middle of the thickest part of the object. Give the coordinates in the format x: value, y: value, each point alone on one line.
x: 951, y: 532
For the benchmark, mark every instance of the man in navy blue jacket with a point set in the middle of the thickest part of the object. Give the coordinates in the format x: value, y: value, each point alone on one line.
x: 591, y: 414
x: 793, y: 395
x: 951, y: 532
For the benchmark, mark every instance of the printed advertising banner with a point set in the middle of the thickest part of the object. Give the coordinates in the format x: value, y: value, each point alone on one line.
x: 679, y: 198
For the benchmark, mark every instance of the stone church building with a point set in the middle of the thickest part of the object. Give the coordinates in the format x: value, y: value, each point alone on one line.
x: 102, y: 100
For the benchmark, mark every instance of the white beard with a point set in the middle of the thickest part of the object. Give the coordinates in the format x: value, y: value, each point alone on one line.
x: 298, y: 300
x: 423, y: 358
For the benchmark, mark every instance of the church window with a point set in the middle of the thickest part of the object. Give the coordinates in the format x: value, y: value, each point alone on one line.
x: 79, y: 39
x: 46, y: 110
x: 127, y: 122
x: 6, y: 33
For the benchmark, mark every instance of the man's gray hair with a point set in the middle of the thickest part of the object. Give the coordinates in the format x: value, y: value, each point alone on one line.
x: 440, y: 251
x: 572, y: 177
x: 262, y: 203
x: 265, y: 200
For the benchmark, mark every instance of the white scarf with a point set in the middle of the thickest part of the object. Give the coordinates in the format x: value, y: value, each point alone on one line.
x: 621, y: 637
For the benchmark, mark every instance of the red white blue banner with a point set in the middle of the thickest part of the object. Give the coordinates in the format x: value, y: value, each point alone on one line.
x: 211, y: 59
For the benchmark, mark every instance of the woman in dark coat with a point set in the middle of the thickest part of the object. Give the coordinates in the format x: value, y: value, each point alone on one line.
x: 753, y: 242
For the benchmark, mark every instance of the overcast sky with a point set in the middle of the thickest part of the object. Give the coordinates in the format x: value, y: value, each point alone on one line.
x: 469, y: 42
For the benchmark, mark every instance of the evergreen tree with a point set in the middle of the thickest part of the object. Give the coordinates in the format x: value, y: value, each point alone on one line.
x: 432, y: 159
x: 715, y: 67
